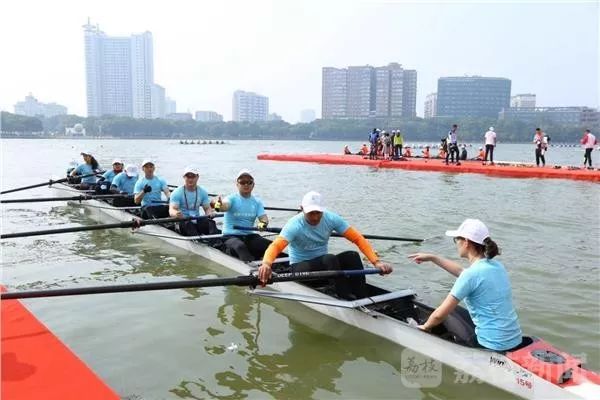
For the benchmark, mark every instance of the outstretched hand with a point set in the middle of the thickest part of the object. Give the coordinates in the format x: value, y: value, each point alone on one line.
x: 421, y: 257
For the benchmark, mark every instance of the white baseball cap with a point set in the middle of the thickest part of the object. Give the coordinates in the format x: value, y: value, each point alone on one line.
x: 491, y: 128
x: 191, y: 169
x: 86, y: 152
x: 312, y: 201
x: 131, y: 170
x: 472, y: 229
x: 242, y: 173
x: 148, y: 161
x: 117, y: 161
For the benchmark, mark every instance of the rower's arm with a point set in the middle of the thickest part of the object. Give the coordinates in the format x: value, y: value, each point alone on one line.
x: 138, y: 197
x: 274, y: 249
x: 174, y: 210
x: 225, y: 204
x: 264, y: 219
x: 451, y: 266
x: 441, y: 313
x: 353, y: 235
x: 167, y: 192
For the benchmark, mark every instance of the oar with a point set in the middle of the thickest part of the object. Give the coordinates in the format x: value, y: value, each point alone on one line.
x: 266, y: 208
x: 247, y: 280
x: 49, y: 183
x: 373, y: 237
x: 71, y: 198
x: 136, y: 223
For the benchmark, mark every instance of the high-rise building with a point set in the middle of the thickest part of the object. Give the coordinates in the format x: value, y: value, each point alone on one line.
x: 334, y: 92
x: 430, y: 106
x: 249, y: 106
x: 307, y: 116
x: 360, y: 92
x: 119, y: 73
x: 575, y: 116
x: 170, y: 105
x: 208, y: 116
x: 523, y: 101
x: 472, y: 96
x: 32, y: 107
x: 158, y: 101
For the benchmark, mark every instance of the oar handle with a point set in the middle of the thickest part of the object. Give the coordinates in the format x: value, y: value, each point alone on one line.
x: 248, y: 280
x: 68, y: 198
x: 372, y: 237
x: 49, y: 183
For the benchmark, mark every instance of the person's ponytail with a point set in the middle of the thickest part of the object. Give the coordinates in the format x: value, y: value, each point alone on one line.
x: 491, y: 249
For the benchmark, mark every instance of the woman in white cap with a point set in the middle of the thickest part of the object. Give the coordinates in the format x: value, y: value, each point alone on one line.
x: 148, y: 189
x: 186, y: 201
x: 484, y: 286
x: 307, y: 235
x: 124, y: 183
x: 89, y: 167
x: 243, y: 209
x: 117, y: 168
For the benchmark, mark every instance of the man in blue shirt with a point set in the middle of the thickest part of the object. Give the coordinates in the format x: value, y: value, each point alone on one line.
x: 148, y: 191
x: 187, y: 200
x: 243, y: 209
x: 124, y: 183
x: 308, y: 236
x: 484, y: 287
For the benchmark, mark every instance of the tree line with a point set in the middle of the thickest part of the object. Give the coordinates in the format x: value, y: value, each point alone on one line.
x: 430, y: 130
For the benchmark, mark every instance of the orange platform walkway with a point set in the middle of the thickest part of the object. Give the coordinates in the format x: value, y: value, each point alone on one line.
x: 503, y: 169
x: 37, y: 365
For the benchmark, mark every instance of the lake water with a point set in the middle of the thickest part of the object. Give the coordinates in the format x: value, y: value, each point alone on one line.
x: 222, y: 343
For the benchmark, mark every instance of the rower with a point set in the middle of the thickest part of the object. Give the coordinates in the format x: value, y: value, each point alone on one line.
x: 124, y: 183
x: 187, y: 200
x: 117, y: 168
x: 89, y: 166
x: 242, y: 209
x: 364, y: 150
x: 347, y: 150
x: 148, y: 190
x: 425, y: 152
x: 308, y: 234
x: 407, y: 152
x: 484, y: 286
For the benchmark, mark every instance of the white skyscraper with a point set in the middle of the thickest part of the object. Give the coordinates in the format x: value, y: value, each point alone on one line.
x: 119, y: 73
x: 158, y: 101
x: 249, y: 106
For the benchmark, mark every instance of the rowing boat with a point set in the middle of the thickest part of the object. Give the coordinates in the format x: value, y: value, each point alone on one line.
x: 535, y: 371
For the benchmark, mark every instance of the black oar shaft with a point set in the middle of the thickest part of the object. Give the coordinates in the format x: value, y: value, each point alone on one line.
x: 249, y: 280
x: 125, y: 224
x: 68, y: 198
x: 373, y: 237
x: 49, y: 183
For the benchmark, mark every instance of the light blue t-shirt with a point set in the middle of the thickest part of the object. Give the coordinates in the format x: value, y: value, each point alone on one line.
x: 86, y: 169
x: 109, y: 175
x: 307, y: 241
x: 124, y: 183
x: 157, y: 183
x: 242, y: 211
x: 188, y: 202
x: 486, y: 290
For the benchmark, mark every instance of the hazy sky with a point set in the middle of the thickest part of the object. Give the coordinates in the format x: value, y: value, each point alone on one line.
x: 204, y: 50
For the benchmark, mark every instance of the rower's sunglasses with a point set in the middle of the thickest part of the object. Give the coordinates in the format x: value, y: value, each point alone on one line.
x: 246, y: 182
x: 457, y: 238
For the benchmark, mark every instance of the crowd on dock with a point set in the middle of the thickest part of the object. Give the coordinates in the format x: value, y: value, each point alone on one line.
x: 384, y: 145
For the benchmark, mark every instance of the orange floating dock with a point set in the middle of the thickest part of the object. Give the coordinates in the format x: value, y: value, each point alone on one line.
x: 502, y: 169
x: 37, y: 365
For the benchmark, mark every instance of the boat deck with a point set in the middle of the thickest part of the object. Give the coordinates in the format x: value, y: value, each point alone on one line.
x: 500, y: 169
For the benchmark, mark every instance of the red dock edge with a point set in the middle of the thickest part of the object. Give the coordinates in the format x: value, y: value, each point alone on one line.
x: 434, y: 164
x: 37, y: 365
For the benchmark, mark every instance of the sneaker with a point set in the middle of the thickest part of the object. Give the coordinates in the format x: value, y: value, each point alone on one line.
x: 458, y: 163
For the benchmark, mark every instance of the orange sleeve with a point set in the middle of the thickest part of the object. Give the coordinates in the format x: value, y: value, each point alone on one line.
x: 353, y: 235
x: 274, y: 250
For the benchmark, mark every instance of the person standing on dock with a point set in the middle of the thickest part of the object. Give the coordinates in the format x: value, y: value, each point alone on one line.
x: 538, y: 140
x: 374, y: 140
x: 307, y: 235
x: 588, y: 141
x: 453, y: 145
x: 398, y: 143
x: 490, y: 144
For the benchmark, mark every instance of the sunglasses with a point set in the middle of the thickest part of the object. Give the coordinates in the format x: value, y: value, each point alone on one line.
x: 246, y: 182
x: 190, y: 176
x: 457, y: 238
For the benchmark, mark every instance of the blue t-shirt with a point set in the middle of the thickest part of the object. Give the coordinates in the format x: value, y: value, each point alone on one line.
x: 242, y: 211
x: 124, y: 183
x: 86, y: 169
x: 189, y: 203
x: 307, y: 241
x: 157, y: 183
x: 109, y: 175
x: 486, y: 290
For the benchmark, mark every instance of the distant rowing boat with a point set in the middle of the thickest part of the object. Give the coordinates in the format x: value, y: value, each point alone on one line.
x: 535, y: 371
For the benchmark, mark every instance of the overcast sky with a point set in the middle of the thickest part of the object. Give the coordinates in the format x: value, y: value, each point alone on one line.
x: 204, y: 50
